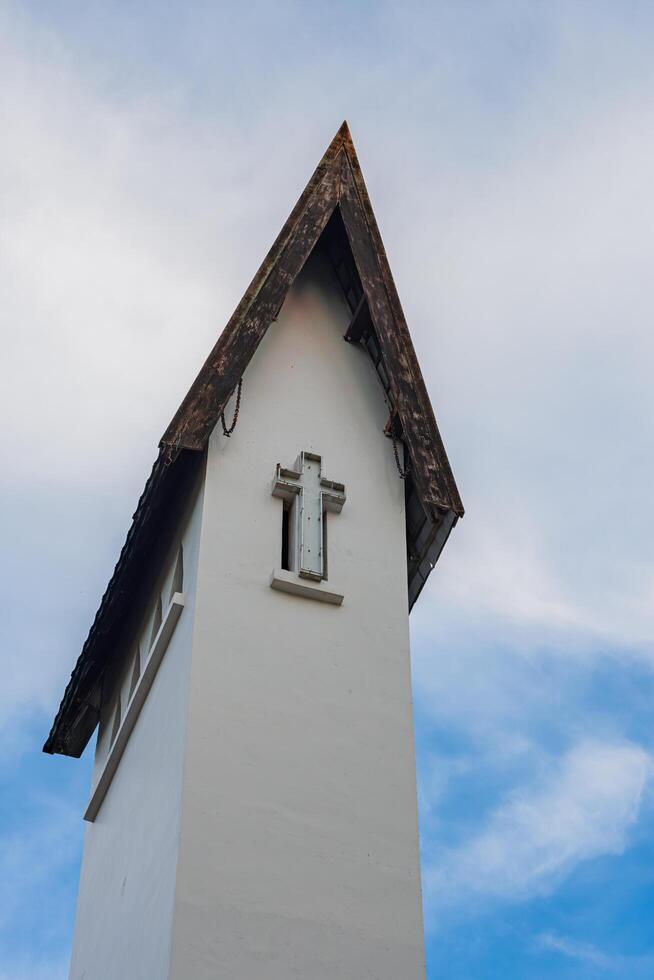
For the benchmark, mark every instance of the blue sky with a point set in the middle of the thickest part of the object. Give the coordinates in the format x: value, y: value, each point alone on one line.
x: 150, y: 154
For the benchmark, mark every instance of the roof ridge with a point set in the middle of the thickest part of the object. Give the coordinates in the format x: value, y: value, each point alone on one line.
x: 328, y: 187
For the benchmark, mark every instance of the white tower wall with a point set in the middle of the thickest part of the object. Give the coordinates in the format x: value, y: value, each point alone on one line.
x: 127, y: 884
x: 262, y: 821
x: 299, y: 846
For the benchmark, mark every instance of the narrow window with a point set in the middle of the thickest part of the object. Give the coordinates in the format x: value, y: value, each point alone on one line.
x: 286, y: 555
x: 136, y: 671
x: 116, y: 725
x: 324, y: 545
x: 178, y: 575
x: 156, y: 622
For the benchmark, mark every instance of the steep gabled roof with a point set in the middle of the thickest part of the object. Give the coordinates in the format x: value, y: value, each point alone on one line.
x: 333, y: 212
x: 336, y: 183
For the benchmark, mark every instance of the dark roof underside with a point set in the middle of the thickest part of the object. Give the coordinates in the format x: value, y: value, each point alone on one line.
x: 335, y: 214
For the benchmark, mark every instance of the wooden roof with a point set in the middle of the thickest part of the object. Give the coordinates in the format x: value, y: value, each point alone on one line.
x: 334, y: 211
x: 337, y: 182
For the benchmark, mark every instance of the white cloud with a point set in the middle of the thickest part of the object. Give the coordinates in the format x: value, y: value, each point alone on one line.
x: 30, y: 856
x: 100, y: 276
x: 588, y: 955
x: 38, y: 862
x: 582, y: 952
x: 582, y: 809
x: 29, y: 968
x: 499, y: 565
x: 541, y: 288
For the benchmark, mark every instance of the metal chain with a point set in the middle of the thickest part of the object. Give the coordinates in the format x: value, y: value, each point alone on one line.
x: 172, y: 451
x: 228, y: 431
x: 403, y: 473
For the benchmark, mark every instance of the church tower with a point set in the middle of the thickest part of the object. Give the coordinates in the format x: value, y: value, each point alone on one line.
x: 252, y: 813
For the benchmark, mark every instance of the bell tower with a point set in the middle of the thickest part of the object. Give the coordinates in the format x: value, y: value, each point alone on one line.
x: 253, y: 806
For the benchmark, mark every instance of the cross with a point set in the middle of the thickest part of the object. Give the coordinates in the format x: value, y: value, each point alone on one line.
x: 310, y: 495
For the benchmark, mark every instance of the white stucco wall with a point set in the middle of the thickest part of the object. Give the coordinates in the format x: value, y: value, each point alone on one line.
x: 299, y: 850
x: 125, y: 901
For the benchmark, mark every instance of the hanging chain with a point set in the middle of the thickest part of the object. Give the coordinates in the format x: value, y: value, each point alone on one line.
x: 403, y: 473
x: 172, y: 451
x: 228, y: 431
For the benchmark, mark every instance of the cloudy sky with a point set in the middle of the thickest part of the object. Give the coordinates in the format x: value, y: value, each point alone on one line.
x: 150, y: 153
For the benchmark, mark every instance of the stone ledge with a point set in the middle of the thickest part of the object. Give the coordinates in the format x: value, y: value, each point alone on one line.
x: 284, y: 581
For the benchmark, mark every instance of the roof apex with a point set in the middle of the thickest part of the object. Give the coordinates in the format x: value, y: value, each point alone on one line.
x: 337, y: 182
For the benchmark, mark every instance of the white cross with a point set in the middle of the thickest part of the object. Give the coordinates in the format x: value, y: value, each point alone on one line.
x: 310, y: 495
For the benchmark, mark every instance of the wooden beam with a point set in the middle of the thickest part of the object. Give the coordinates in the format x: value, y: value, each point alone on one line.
x: 360, y: 322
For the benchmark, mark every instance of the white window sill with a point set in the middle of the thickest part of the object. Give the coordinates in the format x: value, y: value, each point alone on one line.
x: 289, y: 582
x: 136, y: 702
